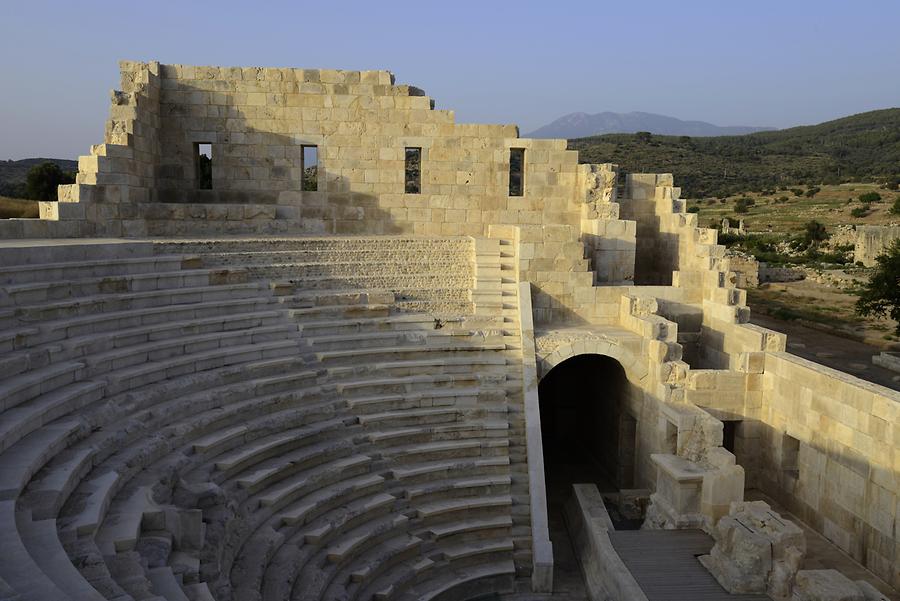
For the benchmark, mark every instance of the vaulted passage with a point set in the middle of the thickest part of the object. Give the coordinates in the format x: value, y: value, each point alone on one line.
x: 588, y: 437
x: 587, y: 433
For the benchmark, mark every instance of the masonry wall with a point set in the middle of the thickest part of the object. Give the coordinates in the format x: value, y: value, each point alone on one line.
x: 873, y: 240
x: 829, y: 450
x: 658, y: 249
x: 257, y: 120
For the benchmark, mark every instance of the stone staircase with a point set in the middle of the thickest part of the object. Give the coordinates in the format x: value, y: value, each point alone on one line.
x: 256, y: 419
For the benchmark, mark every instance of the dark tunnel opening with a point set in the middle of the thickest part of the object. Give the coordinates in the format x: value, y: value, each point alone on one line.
x: 588, y: 437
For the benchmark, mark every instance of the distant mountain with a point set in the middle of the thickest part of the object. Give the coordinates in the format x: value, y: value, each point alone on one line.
x: 581, y: 125
x: 12, y: 173
x: 863, y: 147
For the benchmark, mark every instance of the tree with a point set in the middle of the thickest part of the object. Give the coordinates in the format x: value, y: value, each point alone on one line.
x: 42, y: 180
x: 895, y: 209
x: 643, y: 136
x: 881, y: 295
x: 870, y: 197
x: 814, y: 232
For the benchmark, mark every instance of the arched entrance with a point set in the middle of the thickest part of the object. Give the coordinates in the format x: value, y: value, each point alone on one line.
x: 588, y: 434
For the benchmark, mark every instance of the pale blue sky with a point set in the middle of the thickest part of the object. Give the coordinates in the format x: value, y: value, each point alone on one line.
x: 771, y: 63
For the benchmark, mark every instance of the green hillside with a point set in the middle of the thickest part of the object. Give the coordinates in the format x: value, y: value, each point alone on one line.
x: 863, y: 147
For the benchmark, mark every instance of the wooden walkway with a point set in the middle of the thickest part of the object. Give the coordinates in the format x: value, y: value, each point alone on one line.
x: 664, y: 563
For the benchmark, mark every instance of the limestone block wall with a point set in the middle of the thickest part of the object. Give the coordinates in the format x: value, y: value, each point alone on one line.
x: 116, y: 176
x: 610, y: 242
x: 872, y: 240
x: 828, y: 450
x: 657, y: 253
x: 731, y: 396
x: 675, y: 262
x: 257, y: 121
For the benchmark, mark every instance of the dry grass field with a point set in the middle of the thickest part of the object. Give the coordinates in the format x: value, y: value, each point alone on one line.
x: 17, y: 208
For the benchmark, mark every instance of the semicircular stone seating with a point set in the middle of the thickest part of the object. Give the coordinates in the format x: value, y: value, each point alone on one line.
x: 257, y: 420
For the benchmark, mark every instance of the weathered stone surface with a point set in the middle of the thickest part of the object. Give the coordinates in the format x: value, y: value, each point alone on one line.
x: 825, y: 585
x: 756, y: 550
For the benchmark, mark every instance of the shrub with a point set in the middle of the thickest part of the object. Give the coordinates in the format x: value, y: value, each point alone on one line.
x: 812, y: 191
x: 895, y: 209
x: 797, y: 191
x: 869, y: 197
x: 693, y: 209
x: 741, y: 206
x: 781, y: 200
x: 42, y: 180
x: 860, y: 211
x: 728, y: 239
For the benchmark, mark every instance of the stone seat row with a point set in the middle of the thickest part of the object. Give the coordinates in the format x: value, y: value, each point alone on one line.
x: 284, y: 410
x: 339, y: 259
x: 104, y: 268
x: 338, y: 467
x: 439, y: 302
x: 59, y: 289
x: 207, y: 314
x: 417, y: 452
x: 315, y: 532
x: 314, y: 244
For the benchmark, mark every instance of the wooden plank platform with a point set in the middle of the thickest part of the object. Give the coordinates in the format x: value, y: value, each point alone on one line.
x: 665, y: 565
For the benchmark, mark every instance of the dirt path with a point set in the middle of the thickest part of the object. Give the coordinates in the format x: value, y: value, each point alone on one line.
x: 833, y: 351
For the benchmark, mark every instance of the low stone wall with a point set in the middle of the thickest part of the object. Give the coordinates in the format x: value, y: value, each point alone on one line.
x: 542, y: 548
x: 605, y: 574
x: 888, y: 361
x: 779, y: 274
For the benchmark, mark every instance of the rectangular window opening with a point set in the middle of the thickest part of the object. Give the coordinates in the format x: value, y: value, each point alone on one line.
x: 516, y: 171
x: 729, y: 435
x: 790, y: 456
x: 203, y: 165
x: 309, y: 167
x: 413, y: 170
x: 621, y: 184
